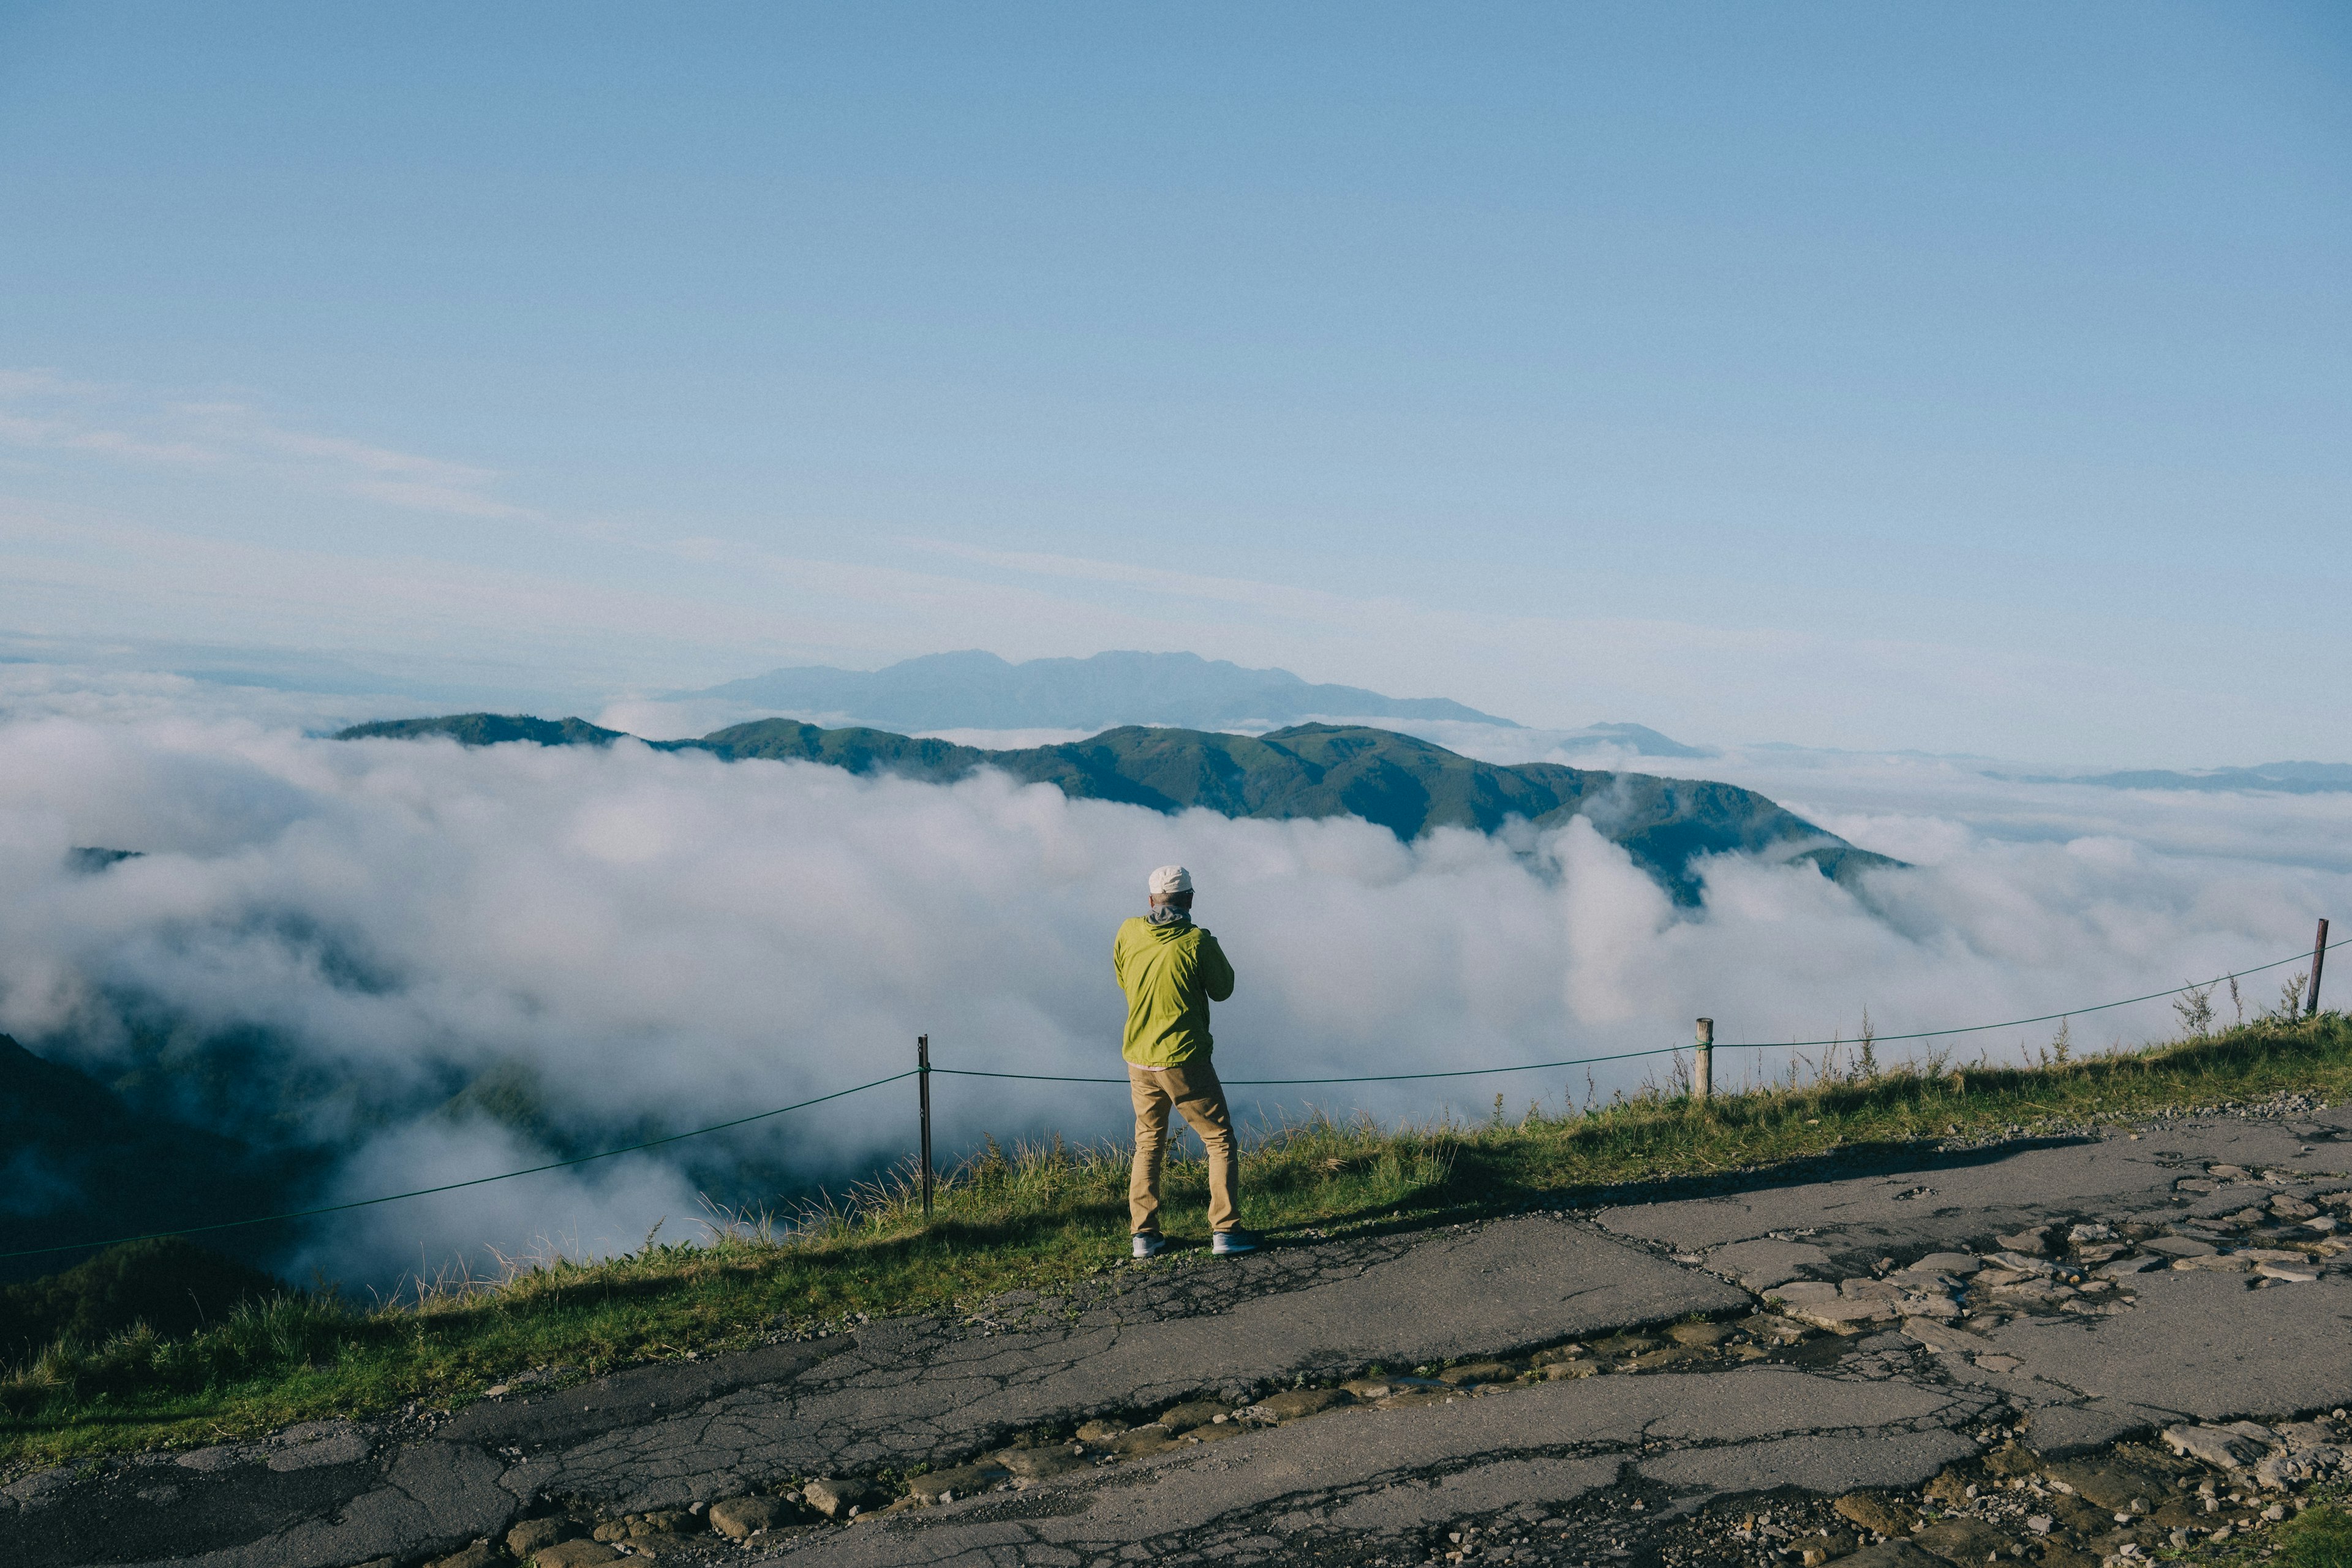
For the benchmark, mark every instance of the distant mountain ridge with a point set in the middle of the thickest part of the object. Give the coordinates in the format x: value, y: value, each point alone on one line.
x: 978, y: 691
x: 1400, y: 783
x: 2267, y: 778
x: 1639, y: 739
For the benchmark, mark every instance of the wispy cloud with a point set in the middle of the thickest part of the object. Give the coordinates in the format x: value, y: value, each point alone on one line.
x: 655, y: 600
x: 74, y: 575
x: 42, y: 411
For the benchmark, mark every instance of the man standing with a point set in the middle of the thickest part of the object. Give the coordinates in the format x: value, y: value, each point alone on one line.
x: 1171, y: 970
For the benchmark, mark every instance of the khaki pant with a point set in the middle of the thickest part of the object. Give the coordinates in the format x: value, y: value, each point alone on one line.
x: 1193, y: 1090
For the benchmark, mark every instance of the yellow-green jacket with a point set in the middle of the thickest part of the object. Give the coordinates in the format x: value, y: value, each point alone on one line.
x: 1170, y: 974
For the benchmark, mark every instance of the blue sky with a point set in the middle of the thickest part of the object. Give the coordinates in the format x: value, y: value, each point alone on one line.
x: 1967, y: 379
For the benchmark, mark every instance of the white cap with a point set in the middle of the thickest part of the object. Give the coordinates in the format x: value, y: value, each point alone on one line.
x: 1170, y: 879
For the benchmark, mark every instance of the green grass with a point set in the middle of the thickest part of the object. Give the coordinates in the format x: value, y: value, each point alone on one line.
x: 1051, y: 1216
x: 2317, y: 1538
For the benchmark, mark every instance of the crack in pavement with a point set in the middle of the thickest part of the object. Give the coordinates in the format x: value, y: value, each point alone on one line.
x: 927, y: 1398
x: 1555, y: 1441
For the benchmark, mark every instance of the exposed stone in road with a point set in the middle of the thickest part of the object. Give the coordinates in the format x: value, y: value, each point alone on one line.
x: 1971, y: 1344
x: 926, y: 1393
x: 2194, y: 1341
x: 1370, y: 1473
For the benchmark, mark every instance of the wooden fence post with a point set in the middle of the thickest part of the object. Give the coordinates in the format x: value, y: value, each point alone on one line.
x: 2318, y: 958
x: 1703, y: 1069
x: 923, y: 1079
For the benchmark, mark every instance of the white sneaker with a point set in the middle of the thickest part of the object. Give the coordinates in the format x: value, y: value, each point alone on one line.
x: 1232, y: 1243
x: 1150, y: 1246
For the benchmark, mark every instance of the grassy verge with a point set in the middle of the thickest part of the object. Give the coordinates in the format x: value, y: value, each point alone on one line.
x: 1047, y: 1217
x: 2319, y: 1536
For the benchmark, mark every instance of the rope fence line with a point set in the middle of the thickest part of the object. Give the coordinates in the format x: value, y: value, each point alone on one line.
x: 1367, y: 1077
x: 454, y: 1186
x: 925, y: 1071
x: 1677, y: 1050
x: 2053, y: 1017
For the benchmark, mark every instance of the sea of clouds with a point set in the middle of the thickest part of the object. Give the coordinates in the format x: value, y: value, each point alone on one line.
x: 661, y: 942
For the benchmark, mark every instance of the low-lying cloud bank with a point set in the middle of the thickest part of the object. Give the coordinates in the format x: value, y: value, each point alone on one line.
x: 632, y: 942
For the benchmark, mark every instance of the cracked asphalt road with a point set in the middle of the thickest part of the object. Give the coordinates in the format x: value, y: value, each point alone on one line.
x: 1882, y: 1407
x: 1363, y: 1473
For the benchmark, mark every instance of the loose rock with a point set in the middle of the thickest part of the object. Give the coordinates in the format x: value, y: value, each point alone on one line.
x: 1961, y: 1540
x: 2214, y: 1447
x: 1193, y: 1413
x: 1822, y: 1306
x: 648, y: 1526
x: 532, y: 1534
x: 2011, y: 1459
x: 1297, y: 1404
x: 738, y: 1517
x: 1773, y: 1327
x: 962, y: 1480
x: 574, y: 1554
x: 1879, y: 1513
x: 1823, y: 1549
x: 1037, y: 1464
x: 2114, y: 1485
x: 1138, y: 1441
x: 1700, y: 1333
x: 835, y: 1499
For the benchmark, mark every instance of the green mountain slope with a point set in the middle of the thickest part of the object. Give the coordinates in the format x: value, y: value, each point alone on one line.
x: 78, y: 1160
x: 489, y: 730
x: 1406, y: 785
